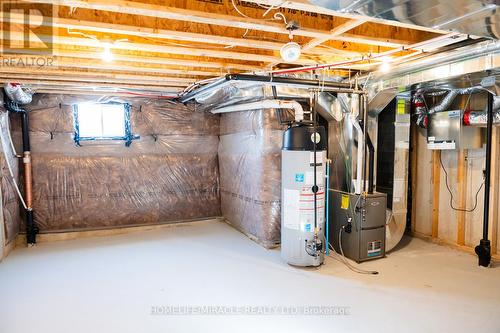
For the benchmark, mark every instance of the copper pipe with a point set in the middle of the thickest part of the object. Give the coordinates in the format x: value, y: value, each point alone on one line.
x: 28, y: 179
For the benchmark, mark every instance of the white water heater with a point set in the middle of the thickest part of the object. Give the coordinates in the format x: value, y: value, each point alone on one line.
x: 303, y: 195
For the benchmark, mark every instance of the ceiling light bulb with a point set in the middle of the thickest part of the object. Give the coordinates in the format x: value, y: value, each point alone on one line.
x: 290, y: 52
x: 385, y: 67
x: 386, y: 64
x: 107, y: 55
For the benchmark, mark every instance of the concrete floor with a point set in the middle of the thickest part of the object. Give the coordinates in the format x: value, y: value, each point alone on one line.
x: 112, y: 284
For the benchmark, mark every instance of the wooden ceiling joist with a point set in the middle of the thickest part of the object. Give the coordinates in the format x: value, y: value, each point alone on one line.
x: 86, y: 75
x: 180, y: 14
x: 169, y: 44
x: 334, y: 33
x: 190, y: 51
x: 87, y: 54
x: 120, y: 66
x: 20, y: 78
x: 306, y: 6
x: 131, y: 30
x: 102, y: 85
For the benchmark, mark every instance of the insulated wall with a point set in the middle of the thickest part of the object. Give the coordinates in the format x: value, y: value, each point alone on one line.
x: 250, y: 173
x: 10, y: 203
x: 461, y: 174
x: 168, y: 174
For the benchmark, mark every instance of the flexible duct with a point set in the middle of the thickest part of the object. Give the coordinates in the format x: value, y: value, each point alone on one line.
x: 450, y: 97
x: 470, y: 118
x: 480, y: 118
x: 420, y: 110
x: 266, y: 104
x: 16, y: 93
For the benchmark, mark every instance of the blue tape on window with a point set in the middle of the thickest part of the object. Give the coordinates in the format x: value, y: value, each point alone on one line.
x: 128, y: 138
x: 76, y: 126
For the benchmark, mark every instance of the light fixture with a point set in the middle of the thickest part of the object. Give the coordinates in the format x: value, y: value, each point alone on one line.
x: 290, y: 52
x: 107, y: 55
x: 386, y: 64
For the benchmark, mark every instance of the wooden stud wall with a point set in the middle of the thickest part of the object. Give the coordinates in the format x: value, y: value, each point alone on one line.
x: 432, y: 217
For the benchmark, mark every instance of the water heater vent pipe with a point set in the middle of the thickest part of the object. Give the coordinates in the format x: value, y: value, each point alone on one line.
x: 266, y: 104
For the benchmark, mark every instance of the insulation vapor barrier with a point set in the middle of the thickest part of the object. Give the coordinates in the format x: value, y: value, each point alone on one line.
x: 169, y: 173
x: 250, y: 173
x: 10, y: 202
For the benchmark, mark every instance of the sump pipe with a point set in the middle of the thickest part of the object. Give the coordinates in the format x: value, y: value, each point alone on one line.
x: 483, y: 250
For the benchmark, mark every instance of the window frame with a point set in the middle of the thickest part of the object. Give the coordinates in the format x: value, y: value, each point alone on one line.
x: 128, y: 137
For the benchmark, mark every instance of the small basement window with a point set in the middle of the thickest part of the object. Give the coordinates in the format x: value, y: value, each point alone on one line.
x: 102, y: 122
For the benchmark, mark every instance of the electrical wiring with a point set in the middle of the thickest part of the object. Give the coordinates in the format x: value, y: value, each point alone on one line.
x: 276, y: 16
x: 237, y: 10
x: 77, y: 33
x: 280, y: 15
x: 364, y: 58
x: 271, y: 7
x: 451, y: 193
x: 344, y: 260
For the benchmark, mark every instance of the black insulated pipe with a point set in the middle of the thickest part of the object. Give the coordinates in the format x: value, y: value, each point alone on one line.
x: 483, y: 250
x: 26, y: 131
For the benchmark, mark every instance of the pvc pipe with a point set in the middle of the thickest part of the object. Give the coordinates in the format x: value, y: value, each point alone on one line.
x: 266, y: 104
x: 359, y: 163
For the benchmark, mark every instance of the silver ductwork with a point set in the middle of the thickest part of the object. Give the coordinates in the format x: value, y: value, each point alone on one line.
x: 473, y: 17
x: 470, y: 118
x: 450, y: 97
x: 441, y: 67
x: 480, y: 118
x: 475, y: 118
x: 265, y: 105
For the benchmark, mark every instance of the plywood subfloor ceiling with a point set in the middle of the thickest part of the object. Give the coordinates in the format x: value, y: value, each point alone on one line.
x: 166, y: 45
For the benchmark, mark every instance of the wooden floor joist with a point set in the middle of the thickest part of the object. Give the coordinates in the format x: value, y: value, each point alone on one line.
x: 203, y: 39
x: 180, y: 14
x: 112, y: 28
x: 436, y: 183
x: 125, y: 45
x: 100, y: 85
x: 462, y: 195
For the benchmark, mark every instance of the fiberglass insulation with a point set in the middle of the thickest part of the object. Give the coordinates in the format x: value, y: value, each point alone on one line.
x: 250, y: 173
x: 10, y: 203
x: 169, y: 174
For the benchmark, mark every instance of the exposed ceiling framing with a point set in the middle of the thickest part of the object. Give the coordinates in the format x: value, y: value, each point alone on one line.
x: 164, y: 45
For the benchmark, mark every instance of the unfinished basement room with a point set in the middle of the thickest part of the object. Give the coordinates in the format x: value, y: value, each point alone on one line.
x: 249, y: 166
